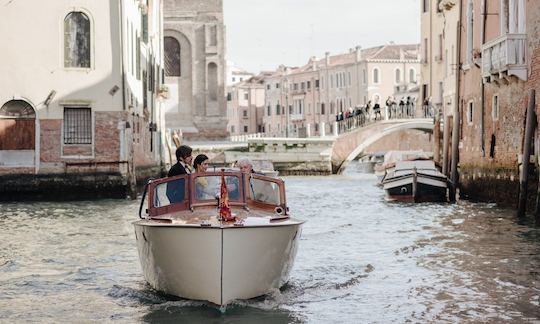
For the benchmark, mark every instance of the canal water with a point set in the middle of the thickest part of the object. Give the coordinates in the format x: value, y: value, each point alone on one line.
x: 360, y: 260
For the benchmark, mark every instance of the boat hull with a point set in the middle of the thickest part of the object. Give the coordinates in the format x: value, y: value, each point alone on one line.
x: 428, y: 189
x: 217, y: 264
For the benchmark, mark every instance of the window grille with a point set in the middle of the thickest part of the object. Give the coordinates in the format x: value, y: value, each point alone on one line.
x: 77, y: 126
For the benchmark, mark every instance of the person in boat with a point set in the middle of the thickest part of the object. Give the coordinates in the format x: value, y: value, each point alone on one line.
x: 175, y: 189
x: 202, y: 187
x: 183, y: 164
x: 259, y: 190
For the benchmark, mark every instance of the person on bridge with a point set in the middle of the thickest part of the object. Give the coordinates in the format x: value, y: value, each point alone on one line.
x: 377, y: 110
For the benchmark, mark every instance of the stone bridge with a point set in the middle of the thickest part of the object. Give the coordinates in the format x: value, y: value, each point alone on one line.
x: 349, y: 145
x: 325, y: 154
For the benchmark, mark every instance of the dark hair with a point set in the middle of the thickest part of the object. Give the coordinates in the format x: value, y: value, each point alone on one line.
x: 183, y: 152
x: 199, y: 160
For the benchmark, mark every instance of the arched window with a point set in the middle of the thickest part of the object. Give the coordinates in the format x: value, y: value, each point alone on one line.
x: 77, y: 40
x: 398, y: 76
x: 172, y: 57
x: 376, y: 78
x: 212, y: 81
x: 412, y: 75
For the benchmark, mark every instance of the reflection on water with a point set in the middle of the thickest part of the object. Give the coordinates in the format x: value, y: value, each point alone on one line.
x: 360, y: 259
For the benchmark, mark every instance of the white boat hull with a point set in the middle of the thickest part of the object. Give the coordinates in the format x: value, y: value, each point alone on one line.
x: 217, y: 264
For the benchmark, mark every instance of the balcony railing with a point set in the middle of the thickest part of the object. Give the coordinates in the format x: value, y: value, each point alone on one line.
x: 297, y: 116
x: 505, y: 56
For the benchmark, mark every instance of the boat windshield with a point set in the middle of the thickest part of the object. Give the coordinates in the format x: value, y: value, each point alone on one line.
x: 264, y: 191
x: 202, y: 189
x: 208, y: 187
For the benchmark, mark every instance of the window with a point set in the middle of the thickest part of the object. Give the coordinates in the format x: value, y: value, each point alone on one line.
x: 277, y: 85
x: 412, y: 75
x: 322, y: 109
x: 245, y: 129
x: 229, y: 96
x: 364, y: 77
x: 232, y: 129
x: 425, y: 5
x: 234, y: 80
x: 246, y: 95
x: 425, y: 60
x: 308, y: 84
x: 398, y: 76
x: 268, y: 111
x: 77, y: 125
x: 172, y: 57
x: 244, y: 113
x: 317, y: 84
x: 77, y: 40
x: 376, y: 78
x: 277, y: 109
x: 350, y: 80
x: 495, y: 108
x: 331, y: 80
x: 267, y: 86
x: 302, y: 85
x: 241, y: 79
x: 470, y: 112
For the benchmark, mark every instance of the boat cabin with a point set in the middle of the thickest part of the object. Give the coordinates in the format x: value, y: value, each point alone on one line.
x: 192, y: 191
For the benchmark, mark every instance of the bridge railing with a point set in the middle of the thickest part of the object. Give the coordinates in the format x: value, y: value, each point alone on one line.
x: 361, y: 118
x: 245, y: 137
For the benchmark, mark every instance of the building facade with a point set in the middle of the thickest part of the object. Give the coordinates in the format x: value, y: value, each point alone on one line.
x: 439, y: 34
x: 245, y: 107
x: 79, y: 104
x: 500, y: 64
x: 304, y: 101
x: 195, y: 68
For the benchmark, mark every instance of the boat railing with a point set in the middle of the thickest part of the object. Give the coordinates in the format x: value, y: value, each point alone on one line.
x: 187, y: 192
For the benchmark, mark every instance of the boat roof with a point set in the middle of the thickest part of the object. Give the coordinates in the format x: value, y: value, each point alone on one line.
x: 422, y: 166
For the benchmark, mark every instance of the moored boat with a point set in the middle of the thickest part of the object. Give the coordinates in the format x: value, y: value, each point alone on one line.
x: 417, y: 181
x: 190, y: 248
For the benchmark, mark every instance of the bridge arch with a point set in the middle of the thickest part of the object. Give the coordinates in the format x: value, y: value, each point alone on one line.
x: 350, y: 145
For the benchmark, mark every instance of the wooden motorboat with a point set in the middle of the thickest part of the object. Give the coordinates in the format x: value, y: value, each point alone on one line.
x: 417, y: 181
x: 190, y: 245
x: 388, y: 165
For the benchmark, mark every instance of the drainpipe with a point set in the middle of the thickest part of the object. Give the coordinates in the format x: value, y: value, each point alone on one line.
x: 482, y: 94
x: 455, y: 127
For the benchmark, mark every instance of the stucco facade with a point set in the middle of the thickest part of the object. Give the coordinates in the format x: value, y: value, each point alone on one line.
x: 80, y: 86
x: 245, y: 107
x: 304, y: 101
x: 195, y: 68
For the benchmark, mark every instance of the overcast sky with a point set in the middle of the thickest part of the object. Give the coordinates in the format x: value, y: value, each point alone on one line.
x: 262, y: 34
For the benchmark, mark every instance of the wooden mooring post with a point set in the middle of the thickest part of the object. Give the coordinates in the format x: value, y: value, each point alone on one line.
x: 530, y: 124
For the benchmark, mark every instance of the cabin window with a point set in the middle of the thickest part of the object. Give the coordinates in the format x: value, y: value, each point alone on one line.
x: 264, y: 191
x: 76, y: 40
x: 77, y: 125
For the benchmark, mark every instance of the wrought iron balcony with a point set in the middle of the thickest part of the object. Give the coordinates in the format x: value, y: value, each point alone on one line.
x: 505, y: 56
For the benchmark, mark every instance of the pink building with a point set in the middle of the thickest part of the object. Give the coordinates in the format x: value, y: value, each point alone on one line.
x: 245, y: 107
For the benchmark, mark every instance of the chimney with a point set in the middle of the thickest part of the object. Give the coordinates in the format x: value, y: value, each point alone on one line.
x: 358, y: 53
x: 313, y: 61
x: 327, y: 58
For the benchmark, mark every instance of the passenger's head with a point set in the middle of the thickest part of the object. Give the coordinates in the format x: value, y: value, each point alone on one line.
x: 200, y: 164
x: 244, y: 164
x: 183, y: 153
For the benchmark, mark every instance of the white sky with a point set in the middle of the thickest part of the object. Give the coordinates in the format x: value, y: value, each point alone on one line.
x: 262, y: 34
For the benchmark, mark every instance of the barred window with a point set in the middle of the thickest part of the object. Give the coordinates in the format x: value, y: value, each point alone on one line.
x: 77, y: 126
x: 77, y: 40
